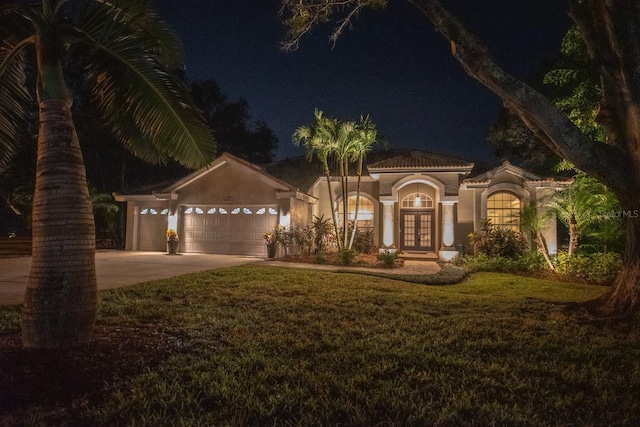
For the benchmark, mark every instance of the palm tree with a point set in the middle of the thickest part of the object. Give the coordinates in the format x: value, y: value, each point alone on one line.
x: 330, y: 139
x: 583, y: 203
x: 125, y: 52
x: 319, y: 140
x: 366, y: 136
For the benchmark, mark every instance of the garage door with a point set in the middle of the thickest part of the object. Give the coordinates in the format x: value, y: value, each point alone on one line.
x: 152, y: 225
x: 237, y: 230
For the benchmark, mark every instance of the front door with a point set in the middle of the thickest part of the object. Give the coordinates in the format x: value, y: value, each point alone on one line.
x: 417, y: 230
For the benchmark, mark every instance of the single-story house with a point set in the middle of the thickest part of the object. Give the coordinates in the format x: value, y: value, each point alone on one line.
x: 413, y: 201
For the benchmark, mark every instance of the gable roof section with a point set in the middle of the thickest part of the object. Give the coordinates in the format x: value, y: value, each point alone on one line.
x: 415, y: 159
x: 506, y: 166
x: 167, y: 190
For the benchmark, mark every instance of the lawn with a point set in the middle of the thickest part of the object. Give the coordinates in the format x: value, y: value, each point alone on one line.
x: 261, y: 345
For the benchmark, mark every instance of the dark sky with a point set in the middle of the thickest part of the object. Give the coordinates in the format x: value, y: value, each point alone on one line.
x: 391, y: 65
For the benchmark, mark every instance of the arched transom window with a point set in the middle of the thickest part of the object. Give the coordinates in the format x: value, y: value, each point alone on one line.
x: 503, y: 210
x: 365, y: 212
x: 417, y: 200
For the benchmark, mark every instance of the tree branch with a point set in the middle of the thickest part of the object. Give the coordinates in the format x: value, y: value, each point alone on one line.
x: 608, y: 163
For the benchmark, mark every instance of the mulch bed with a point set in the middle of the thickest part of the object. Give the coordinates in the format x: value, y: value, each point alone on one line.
x: 63, y: 381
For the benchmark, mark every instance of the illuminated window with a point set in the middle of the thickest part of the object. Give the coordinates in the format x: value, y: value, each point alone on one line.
x: 235, y: 211
x: 503, y: 210
x: 246, y: 211
x: 188, y: 210
x: 165, y: 211
x: 222, y: 211
x: 273, y: 211
x: 261, y: 211
x: 144, y: 211
x: 199, y: 211
x: 417, y: 200
x: 365, y: 212
x: 211, y: 211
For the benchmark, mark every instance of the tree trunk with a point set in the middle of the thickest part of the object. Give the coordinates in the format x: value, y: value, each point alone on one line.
x: 542, y: 248
x: 624, y: 297
x: 573, y: 236
x: 61, y: 299
x: 334, y: 215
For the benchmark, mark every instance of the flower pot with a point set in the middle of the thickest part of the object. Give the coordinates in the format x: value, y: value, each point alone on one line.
x: 271, y: 250
x: 172, y: 247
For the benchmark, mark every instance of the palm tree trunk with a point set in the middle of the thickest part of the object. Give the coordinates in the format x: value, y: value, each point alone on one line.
x: 355, y: 217
x: 61, y: 299
x: 334, y: 214
x: 542, y: 247
x: 573, y: 236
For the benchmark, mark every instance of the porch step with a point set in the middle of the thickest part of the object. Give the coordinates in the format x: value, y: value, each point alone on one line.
x: 419, y: 256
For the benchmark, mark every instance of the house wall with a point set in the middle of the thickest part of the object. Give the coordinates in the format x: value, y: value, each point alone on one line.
x: 466, y: 218
x: 229, y: 184
x: 368, y: 188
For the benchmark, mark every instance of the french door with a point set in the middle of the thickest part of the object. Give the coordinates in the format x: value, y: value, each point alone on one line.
x: 417, y: 230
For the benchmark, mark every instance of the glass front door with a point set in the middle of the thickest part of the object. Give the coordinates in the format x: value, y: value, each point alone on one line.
x: 417, y: 230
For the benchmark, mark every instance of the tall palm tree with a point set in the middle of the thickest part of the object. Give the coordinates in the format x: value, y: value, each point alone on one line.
x: 365, y: 136
x: 343, y: 142
x: 125, y: 51
x: 319, y: 140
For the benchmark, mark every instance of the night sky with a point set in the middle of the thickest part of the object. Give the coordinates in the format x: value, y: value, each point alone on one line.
x: 391, y: 65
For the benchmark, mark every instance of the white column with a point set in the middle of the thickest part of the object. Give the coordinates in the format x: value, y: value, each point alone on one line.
x: 388, y: 228
x: 447, y: 250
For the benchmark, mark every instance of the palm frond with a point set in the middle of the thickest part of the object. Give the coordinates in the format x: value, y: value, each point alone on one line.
x: 14, y: 97
x: 142, y: 19
x: 148, y: 108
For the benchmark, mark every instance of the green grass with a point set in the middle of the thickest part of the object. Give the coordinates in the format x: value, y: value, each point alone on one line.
x: 264, y: 345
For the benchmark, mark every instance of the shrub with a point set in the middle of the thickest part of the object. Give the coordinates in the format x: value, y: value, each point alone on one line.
x: 363, y: 241
x: 495, y: 241
x: 527, y: 262
x: 346, y: 256
x: 323, y: 233
x: 320, y: 258
x: 387, y: 258
x: 598, y: 268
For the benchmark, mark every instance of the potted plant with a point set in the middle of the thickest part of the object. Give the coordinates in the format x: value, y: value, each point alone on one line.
x: 271, y: 240
x: 172, y: 241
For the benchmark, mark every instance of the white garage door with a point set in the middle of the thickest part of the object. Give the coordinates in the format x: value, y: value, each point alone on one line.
x: 237, y: 230
x: 152, y: 225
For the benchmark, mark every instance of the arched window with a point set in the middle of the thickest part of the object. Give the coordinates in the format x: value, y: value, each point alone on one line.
x: 365, y: 212
x: 503, y: 210
x: 417, y: 200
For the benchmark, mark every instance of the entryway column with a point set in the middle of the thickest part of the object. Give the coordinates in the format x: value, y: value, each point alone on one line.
x: 447, y: 248
x: 388, y: 227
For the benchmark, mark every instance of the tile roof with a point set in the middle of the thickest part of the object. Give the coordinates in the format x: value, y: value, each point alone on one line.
x: 296, y: 171
x: 420, y: 160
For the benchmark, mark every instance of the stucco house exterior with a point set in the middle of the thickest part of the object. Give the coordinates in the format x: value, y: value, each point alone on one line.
x: 413, y: 201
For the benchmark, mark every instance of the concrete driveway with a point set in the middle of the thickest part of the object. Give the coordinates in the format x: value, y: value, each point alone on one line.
x: 118, y: 268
